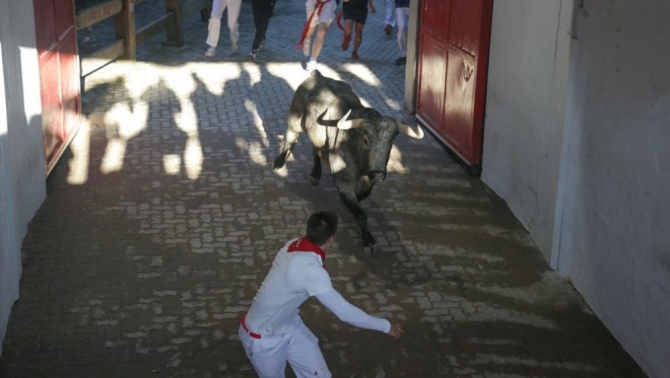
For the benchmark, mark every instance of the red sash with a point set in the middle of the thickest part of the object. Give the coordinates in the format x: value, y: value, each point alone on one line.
x: 246, y: 329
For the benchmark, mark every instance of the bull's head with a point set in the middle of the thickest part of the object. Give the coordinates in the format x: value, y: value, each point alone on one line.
x: 377, y: 134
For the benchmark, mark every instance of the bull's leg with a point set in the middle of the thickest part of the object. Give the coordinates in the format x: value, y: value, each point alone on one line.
x: 286, y: 147
x: 362, y: 219
x: 315, y: 176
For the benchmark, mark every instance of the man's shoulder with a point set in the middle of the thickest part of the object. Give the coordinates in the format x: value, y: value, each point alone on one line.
x: 315, y: 279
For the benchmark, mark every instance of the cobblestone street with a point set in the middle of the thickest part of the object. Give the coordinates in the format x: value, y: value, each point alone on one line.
x: 163, y: 218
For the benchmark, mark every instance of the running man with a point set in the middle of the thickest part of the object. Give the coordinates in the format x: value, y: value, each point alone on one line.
x: 262, y: 10
x: 272, y: 331
x: 320, y: 14
x: 355, y: 11
x: 214, y: 28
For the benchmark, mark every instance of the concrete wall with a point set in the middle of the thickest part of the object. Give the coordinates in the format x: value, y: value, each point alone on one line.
x: 577, y: 142
x: 411, y: 68
x: 22, y: 177
x: 525, y: 109
x: 615, y: 242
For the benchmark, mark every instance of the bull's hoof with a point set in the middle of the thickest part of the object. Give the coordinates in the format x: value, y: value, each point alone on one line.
x: 313, y: 180
x: 371, y: 249
x: 278, y: 163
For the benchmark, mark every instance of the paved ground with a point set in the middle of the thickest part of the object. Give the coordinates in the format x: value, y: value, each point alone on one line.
x: 164, y: 216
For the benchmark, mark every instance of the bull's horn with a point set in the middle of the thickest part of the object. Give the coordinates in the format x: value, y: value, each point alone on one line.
x: 405, y: 129
x: 346, y: 124
x: 326, y: 122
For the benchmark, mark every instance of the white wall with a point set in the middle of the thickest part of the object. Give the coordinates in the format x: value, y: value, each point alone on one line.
x: 582, y: 126
x: 615, y: 239
x: 22, y: 176
x: 412, y: 56
x: 528, y: 69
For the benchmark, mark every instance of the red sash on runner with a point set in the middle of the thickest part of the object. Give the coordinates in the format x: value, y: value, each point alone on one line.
x: 304, y: 245
x: 244, y: 326
x: 339, y: 21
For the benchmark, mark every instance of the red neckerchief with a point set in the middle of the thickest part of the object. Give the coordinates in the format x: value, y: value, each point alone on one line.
x: 304, y: 245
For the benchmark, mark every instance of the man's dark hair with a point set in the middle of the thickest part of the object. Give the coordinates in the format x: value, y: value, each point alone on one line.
x: 321, y: 226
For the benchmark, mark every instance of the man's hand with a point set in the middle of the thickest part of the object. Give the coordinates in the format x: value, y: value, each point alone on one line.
x: 396, y: 330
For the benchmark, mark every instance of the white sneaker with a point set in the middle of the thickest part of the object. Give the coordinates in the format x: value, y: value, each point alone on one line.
x: 311, y: 65
x: 306, y: 47
x: 234, y: 47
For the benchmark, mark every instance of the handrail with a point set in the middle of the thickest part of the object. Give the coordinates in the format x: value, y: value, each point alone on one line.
x: 127, y: 36
x: 97, y: 13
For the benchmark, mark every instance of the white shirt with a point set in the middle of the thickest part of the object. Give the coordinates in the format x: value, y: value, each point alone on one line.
x: 298, y: 273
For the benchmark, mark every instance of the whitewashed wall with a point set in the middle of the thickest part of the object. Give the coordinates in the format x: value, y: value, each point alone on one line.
x: 577, y: 141
x: 22, y: 177
x: 615, y: 239
x: 528, y: 68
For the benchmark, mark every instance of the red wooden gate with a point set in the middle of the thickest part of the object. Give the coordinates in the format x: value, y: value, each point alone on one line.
x: 59, y: 75
x: 453, y: 59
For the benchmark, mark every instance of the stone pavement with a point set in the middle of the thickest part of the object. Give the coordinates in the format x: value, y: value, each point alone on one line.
x: 164, y: 216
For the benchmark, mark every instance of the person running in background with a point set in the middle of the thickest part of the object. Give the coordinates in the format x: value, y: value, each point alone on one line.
x: 402, y: 14
x: 320, y: 14
x: 355, y: 12
x: 214, y: 28
x: 272, y: 331
x: 389, y: 21
x: 262, y: 10
x: 80, y: 6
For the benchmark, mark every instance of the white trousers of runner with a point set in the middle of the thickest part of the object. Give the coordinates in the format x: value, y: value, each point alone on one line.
x: 390, y: 13
x: 403, y: 20
x: 327, y: 13
x: 299, y: 346
x: 218, y: 6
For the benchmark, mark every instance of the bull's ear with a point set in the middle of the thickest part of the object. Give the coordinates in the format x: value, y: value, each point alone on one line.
x: 346, y: 124
x: 405, y: 129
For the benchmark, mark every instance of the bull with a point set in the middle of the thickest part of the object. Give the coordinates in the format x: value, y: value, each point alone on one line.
x: 356, y: 141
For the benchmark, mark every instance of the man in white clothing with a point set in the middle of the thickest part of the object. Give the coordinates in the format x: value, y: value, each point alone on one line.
x: 218, y: 6
x: 389, y: 21
x: 320, y: 14
x: 272, y: 331
x: 402, y: 13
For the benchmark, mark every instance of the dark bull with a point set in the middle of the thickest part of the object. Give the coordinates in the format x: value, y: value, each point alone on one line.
x: 356, y: 141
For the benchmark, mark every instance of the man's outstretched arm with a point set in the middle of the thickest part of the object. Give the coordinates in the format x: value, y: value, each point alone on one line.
x: 353, y: 315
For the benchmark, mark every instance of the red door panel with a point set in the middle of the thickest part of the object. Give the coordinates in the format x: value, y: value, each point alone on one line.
x: 453, y: 59
x: 70, y: 87
x: 432, y: 76
x: 64, y: 18
x: 45, y: 28
x: 459, y: 103
x: 52, y: 110
x: 463, y: 35
x: 435, y: 12
x: 59, y: 74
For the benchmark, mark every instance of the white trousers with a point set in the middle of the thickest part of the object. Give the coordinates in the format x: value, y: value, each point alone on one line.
x: 390, y: 13
x: 218, y: 6
x: 403, y: 19
x: 298, y: 346
x: 327, y: 13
